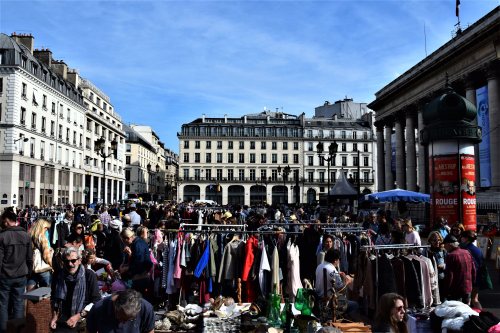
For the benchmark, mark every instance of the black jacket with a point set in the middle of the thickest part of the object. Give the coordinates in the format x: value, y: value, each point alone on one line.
x: 16, y: 253
x: 92, y: 294
x: 113, y: 249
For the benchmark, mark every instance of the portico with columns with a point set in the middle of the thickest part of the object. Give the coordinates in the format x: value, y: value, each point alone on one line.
x: 472, y: 61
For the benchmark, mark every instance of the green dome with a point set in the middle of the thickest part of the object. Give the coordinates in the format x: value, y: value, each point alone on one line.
x: 450, y: 116
x: 449, y: 107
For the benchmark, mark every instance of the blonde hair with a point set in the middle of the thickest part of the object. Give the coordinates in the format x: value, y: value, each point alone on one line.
x: 459, y: 226
x: 126, y: 233
x: 408, y: 223
x: 38, y: 229
x: 68, y: 215
x: 436, y: 234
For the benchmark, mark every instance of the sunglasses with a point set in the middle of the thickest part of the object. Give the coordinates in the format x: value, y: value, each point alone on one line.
x: 400, y: 308
x: 79, y: 227
x: 455, y: 230
x: 67, y: 261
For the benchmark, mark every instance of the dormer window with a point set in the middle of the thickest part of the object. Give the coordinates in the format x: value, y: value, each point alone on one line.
x: 23, y: 62
x: 34, y: 69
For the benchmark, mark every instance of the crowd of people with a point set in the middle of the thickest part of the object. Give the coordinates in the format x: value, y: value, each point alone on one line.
x: 119, y: 238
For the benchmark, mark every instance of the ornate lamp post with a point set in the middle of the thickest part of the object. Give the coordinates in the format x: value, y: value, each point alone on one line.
x: 332, y: 153
x: 264, y: 181
x: 99, y: 146
x: 286, y: 171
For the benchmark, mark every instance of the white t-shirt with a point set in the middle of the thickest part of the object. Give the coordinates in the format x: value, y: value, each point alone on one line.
x: 331, y: 273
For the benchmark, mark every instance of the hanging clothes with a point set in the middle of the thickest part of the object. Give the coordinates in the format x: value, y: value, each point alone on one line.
x: 275, y: 269
x: 294, y: 282
x: 264, y: 273
x: 250, y: 246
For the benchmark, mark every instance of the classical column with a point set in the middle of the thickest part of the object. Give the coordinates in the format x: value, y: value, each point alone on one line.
x: 411, y: 158
x: 492, y: 75
x: 91, y: 189
x: 380, y: 156
x: 389, y: 178
x: 400, y: 150
x: 422, y: 156
x: 470, y: 94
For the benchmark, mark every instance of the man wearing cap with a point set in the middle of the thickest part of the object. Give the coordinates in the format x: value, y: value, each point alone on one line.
x: 460, y: 271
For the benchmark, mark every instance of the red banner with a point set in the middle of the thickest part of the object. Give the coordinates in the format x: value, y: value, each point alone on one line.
x: 468, y: 188
x: 431, y: 176
x: 446, y: 187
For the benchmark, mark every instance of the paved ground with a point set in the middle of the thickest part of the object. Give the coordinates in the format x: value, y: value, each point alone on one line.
x: 490, y: 299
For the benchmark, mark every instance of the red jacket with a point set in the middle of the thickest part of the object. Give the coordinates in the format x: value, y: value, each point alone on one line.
x: 250, y: 247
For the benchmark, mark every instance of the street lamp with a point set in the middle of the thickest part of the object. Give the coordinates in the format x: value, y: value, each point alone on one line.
x: 99, y: 146
x: 263, y: 181
x: 332, y: 153
x: 286, y: 171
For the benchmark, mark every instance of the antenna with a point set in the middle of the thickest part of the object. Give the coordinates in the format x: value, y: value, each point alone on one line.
x: 425, y: 41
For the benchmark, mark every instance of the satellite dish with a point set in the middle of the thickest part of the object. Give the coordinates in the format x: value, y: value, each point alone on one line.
x: 265, y: 108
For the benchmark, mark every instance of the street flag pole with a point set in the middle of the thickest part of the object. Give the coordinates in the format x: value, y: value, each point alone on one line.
x: 457, y: 10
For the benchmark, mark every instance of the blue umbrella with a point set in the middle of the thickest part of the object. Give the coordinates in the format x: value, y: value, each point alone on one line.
x: 396, y: 195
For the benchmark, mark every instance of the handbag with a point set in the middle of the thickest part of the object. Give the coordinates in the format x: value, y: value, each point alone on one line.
x: 39, y: 264
x: 483, y: 274
x: 485, y: 277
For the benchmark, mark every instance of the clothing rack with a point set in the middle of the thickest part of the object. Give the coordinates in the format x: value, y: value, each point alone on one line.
x: 314, y: 223
x: 387, y: 247
x: 277, y: 232
x: 345, y: 229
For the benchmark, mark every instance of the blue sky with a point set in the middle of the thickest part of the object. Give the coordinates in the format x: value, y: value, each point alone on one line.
x: 165, y: 63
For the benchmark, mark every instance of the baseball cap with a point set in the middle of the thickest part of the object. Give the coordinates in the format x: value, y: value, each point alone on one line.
x: 450, y: 239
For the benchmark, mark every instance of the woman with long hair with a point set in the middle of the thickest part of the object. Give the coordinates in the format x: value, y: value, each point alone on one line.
x: 468, y: 237
x: 437, y: 250
x: 42, y: 263
x: 411, y: 235
x: 391, y: 315
x: 384, y: 234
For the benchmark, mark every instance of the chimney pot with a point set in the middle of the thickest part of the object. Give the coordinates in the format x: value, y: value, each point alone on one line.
x: 14, y: 33
x: 30, y: 33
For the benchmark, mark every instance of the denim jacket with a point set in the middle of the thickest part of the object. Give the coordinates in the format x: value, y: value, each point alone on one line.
x: 440, y: 257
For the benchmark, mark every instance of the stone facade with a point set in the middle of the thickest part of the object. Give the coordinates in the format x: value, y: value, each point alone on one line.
x: 472, y: 61
x: 102, y: 122
x: 41, y: 129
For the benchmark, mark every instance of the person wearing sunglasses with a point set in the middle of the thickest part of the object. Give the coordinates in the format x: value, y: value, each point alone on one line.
x: 74, y: 290
x: 437, y: 250
x: 391, y: 315
x: 456, y: 230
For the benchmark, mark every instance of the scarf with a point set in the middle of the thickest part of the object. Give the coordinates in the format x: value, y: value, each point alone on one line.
x: 78, y: 293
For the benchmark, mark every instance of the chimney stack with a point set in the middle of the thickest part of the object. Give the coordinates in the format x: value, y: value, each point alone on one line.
x: 60, y: 68
x: 25, y: 40
x: 44, y: 55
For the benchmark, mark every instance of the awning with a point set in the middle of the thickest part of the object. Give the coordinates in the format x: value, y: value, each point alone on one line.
x: 396, y: 195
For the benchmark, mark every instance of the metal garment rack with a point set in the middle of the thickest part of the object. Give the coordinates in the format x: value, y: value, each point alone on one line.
x: 388, y: 247
x: 314, y: 223
x: 355, y: 229
x: 277, y: 232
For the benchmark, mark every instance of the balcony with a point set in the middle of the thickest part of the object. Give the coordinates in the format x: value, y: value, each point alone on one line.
x: 32, y: 154
x: 236, y: 179
x: 33, y: 126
